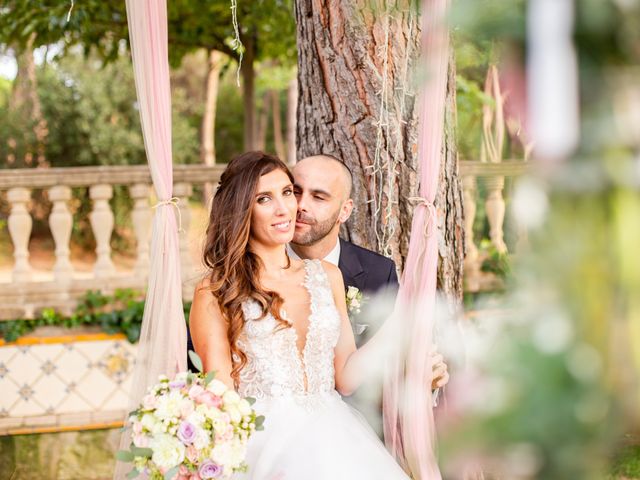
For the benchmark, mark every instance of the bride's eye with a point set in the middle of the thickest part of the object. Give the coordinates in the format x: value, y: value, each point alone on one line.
x: 287, y: 192
x: 263, y: 199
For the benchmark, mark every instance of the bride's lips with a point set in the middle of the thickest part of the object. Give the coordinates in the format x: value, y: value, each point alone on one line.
x: 282, y: 226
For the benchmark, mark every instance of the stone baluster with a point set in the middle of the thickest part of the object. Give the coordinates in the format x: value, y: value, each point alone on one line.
x: 471, y: 260
x: 61, y: 223
x: 20, y: 224
x: 141, y: 217
x: 495, y: 208
x: 183, y: 191
x: 102, y: 221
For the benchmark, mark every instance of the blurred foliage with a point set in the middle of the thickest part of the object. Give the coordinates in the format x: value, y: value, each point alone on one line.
x: 193, y: 24
x: 551, y: 383
x: 118, y: 313
x: 496, y: 262
x: 92, y: 119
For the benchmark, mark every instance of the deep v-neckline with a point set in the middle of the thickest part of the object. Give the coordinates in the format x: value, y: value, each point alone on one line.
x: 288, y: 318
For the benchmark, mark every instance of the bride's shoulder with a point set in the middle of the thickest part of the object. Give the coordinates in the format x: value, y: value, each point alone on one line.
x: 333, y: 273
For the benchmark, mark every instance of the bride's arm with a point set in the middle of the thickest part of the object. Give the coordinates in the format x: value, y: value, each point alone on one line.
x: 209, y: 333
x: 355, y: 365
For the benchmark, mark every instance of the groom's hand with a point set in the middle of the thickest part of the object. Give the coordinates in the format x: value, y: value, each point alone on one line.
x: 440, y: 374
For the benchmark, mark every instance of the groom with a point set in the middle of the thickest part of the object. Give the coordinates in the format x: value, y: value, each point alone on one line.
x: 323, y: 190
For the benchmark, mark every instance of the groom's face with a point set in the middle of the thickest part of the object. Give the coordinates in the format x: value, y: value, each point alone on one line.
x: 321, y: 194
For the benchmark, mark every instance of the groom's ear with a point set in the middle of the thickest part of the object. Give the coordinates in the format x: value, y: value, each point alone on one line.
x: 345, y: 211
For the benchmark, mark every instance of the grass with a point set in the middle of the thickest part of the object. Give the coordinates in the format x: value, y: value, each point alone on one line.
x: 626, y: 465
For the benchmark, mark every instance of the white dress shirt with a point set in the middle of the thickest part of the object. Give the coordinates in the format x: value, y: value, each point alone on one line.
x: 332, y: 257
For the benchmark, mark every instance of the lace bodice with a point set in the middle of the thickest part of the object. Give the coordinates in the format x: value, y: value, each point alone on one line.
x: 275, y: 367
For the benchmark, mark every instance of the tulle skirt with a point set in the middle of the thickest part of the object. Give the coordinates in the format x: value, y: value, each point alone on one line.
x: 316, y: 437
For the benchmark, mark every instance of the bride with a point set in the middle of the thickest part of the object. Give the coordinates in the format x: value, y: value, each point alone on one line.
x: 276, y: 329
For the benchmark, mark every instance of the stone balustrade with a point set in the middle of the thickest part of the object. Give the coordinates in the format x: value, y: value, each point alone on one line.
x: 492, y: 176
x: 24, y: 291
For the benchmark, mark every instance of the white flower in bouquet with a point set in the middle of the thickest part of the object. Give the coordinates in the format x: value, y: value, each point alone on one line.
x: 167, y: 451
x: 190, y: 426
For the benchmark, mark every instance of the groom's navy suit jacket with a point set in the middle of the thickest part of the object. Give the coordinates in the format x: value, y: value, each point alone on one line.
x: 364, y: 269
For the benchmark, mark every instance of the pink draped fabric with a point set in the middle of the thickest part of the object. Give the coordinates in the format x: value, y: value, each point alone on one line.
x: 408, y: 415
x: 163, y: 339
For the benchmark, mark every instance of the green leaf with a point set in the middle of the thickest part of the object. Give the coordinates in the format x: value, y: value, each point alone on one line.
x: 124, y: 456
x: 260, y: 422
x: 133, y: 473
x: 141, y: 452
x: 210, y: 376
x: 171, y: 472
x: 195, y: 359
x: 251, y: 400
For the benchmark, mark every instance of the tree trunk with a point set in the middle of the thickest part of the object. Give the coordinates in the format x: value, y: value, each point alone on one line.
x: 207, y: 144
x: 356, y: 102
x: 262, y: 123
x: 24, y: 100
x: 292, y: 104
x: 450, y: 202
x: 248, y: 91
x: 278, y: 140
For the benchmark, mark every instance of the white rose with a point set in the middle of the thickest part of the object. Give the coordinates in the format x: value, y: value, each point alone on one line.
x: 244, y: 407
x: 217, y: 387
x: 222, y: 454
x: 212, y: 413
x: 238, y: 452
x: 148, y: 421
x: 231, y: 398
x: 219, y: 425
x: 167, y: 451
x: 202, y: 439
x: 196, y: 418
x: 168, y: 405
x: 234, y: 413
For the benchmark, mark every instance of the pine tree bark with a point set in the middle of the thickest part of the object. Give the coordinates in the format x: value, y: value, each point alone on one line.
x: 248, y: 91
x: 292, y: 105
x: 357, y: 102
x: 207, y: 144
x: 276, y: 116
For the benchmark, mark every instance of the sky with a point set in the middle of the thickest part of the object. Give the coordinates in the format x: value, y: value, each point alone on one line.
x: 9, y: 67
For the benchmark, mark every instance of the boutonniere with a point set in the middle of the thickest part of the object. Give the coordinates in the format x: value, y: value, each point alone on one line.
x: 354, y: 299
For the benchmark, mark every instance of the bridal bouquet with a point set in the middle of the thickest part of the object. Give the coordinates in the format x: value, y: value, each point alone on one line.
x: 190, y: 428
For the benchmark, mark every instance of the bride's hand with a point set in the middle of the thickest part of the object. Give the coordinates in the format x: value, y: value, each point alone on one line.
x: 440, y: 374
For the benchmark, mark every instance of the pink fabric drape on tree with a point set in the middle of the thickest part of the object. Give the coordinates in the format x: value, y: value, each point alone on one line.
x: 408, y: 415
x: 163, y: 339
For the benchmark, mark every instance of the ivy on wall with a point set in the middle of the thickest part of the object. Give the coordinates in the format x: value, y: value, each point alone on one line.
x: 120, y: 312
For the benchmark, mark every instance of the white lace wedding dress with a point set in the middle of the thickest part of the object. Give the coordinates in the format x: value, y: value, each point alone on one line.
x: 309, y: 433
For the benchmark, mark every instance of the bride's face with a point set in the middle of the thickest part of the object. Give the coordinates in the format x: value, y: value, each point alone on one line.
x: 274, y: 209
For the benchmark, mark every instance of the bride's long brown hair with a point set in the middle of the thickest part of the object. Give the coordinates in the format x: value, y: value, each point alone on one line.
x: 234, y: 269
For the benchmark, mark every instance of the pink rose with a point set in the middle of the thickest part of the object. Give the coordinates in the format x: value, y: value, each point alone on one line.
x: 183, y: 470
x: 141, y: 441
x: 195, y: 476
x: 209, y: 399
x: 192, y: 454
x: 194, y: 391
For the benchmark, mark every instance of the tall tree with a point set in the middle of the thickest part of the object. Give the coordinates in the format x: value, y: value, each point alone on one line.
x: 356, y: 102
x: 266, y: 30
